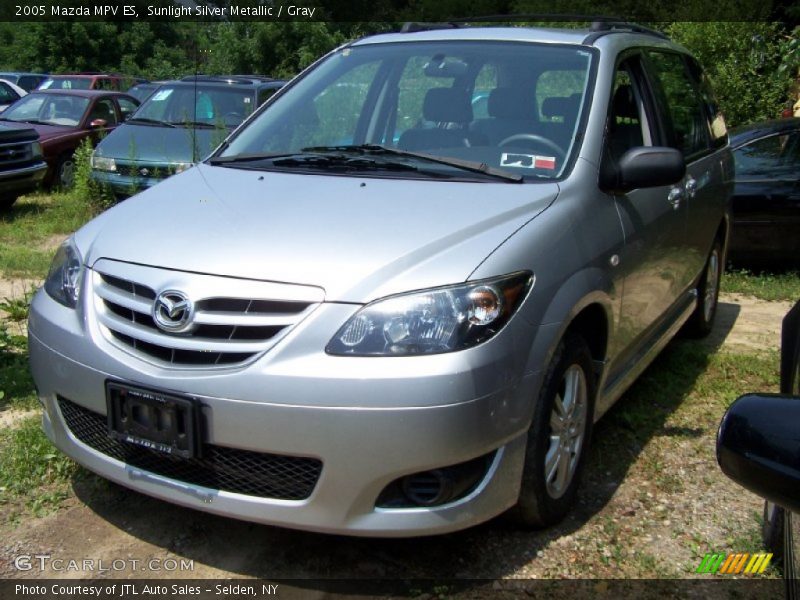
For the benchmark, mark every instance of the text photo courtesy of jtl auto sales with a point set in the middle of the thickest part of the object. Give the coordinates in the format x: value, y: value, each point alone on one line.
x: 494, y: 299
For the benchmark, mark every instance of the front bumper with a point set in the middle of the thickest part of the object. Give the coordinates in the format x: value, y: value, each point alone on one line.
x: 124, y: 185
x: 368, y: 426
x: 19, y: 181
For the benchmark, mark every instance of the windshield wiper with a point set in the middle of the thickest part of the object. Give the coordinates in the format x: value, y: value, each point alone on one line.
x: 196, y: 124
x: 466, y: 165
x: 314, y: 160
x: 248, y: 157
x: 149, y: 121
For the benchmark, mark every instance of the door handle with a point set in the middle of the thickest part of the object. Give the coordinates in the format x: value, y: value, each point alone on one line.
x: 691, y: 187
x: 675, y: 196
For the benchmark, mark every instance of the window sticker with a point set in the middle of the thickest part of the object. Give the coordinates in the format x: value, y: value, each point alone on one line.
x: 161, y: 95
x: 527, y: 161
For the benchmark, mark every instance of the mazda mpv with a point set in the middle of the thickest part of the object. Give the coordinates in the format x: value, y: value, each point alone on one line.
x: 371, y: 312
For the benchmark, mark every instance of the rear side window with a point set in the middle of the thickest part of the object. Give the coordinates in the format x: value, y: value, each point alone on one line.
x: 716, y: 121
x: 773, y: 157
x: 684, y: 107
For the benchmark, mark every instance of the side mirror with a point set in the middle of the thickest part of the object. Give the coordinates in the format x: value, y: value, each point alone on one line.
x: 643, y: 167
x: 98, y: 123
x: 758, y: 446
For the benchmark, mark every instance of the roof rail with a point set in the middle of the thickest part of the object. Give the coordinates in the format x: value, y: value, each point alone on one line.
x: 413, y: 27
x: 604, y: 27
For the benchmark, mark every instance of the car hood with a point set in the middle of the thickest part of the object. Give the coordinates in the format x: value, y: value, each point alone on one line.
x: 357, y: 238
x: 155, y: 144
x: 50, y: 133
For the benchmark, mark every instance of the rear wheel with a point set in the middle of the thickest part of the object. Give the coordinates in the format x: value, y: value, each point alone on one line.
x: 558, y: 439
x: 702, y: 320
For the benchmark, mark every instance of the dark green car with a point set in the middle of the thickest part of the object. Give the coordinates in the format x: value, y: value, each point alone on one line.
x: 179, y: 124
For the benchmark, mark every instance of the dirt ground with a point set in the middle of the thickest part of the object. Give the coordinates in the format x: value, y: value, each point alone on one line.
x: 628, y: 522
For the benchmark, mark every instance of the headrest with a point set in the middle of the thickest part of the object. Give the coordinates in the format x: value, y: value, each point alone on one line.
x: 447, y: 105
x: 561, y: 106
x: 512, y: 103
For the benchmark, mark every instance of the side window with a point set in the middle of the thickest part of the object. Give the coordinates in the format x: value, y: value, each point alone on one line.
x: 104, y: 109
x: 628, y: 125
x: 773, y: 157
x: 265, y: 94
x: 714, y: 116
x: 337, y: 108
x: 485, y: 82
x: 682, y: 103
x: 7, y: 95
x: 126, y: 108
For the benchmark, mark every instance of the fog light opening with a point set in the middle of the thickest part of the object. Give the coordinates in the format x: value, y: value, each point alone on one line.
x: 436, y: 486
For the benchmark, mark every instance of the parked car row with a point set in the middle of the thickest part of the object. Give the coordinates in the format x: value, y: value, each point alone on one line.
x: 179, y: 123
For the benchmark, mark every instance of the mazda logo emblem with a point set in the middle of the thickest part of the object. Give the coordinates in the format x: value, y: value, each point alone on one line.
x: 173, y: 311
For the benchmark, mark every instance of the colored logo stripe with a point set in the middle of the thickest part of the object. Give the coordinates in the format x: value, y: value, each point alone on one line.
x: 734, y: 564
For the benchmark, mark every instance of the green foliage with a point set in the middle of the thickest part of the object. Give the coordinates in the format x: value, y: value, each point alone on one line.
x: 742, y: 59
x: 16, y: 384
x: 31, y: 469
x: 85, y: 188
x: 763, y: 285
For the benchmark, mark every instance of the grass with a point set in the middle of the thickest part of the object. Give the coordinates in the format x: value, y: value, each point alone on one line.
x: 764, y: 285
x: 33, y: 474
x: 29, y: 230
x: 16, y: 383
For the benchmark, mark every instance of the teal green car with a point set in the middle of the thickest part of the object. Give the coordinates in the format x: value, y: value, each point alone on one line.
x: 178, y: 125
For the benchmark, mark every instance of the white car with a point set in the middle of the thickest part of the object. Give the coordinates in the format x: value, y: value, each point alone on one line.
x: 9, y: 93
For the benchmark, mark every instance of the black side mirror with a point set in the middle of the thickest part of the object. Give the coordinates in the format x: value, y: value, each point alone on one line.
x: 642, y: 167
x: 758, y: 446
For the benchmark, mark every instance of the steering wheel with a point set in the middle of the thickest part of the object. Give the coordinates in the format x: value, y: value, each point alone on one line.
x: 536, y: 139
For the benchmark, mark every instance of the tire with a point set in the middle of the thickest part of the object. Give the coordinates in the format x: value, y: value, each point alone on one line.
x: 553, y: 462
x: 701, y: 322
x: 772, y: 529
x: 6, y: 202
x: 65, y: 173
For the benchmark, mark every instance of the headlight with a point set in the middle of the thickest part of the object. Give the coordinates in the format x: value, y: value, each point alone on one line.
x: 63, y: 281
x: 103, y: 163
x: 181, y: 167
x: 432, y: 321
x: 36, y: 150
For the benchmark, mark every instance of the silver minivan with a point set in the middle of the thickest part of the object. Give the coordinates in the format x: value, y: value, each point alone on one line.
x: 395, y: 301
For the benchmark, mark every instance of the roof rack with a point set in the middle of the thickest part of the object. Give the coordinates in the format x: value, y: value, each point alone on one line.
x: 604, y: 27
x: 600, y: 24
x: 413, y: 27
x: 241, y: 79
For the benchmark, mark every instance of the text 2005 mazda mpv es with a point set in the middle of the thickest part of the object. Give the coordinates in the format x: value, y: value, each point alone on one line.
x: 397, y: 298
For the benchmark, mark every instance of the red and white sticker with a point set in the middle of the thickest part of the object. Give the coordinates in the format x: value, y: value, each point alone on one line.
x: 544, y: 162
x: 527, y: 161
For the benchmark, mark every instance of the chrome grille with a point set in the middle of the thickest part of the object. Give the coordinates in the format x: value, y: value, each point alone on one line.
x: 228, y: 329
x: 149, y: 171
x: 15, y: 154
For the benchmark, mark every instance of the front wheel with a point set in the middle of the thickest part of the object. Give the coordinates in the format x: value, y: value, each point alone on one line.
x: 702, y: 320
x: 65, y: 172
x: 558, y: 439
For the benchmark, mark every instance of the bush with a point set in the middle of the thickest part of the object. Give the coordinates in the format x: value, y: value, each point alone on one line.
x: 98, y: 196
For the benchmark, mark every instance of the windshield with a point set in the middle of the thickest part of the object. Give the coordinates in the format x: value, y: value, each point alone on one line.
x: 67, y: 83
x: 51, y: 109
x: 513, y: 107
x: 213, y: 106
